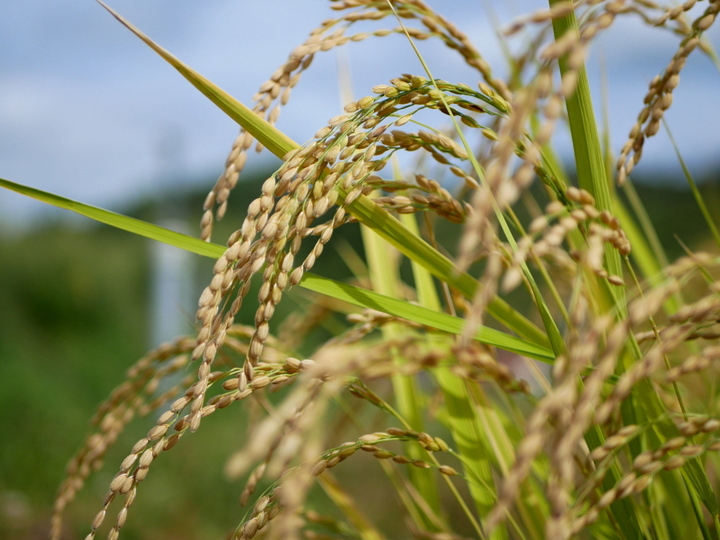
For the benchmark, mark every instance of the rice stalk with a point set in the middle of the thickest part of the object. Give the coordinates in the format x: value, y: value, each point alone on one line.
x: 614, y: 440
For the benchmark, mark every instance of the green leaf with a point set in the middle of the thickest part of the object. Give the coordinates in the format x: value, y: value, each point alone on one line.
x: 363, y: 209
x: 119, y: 221
x: 354, y: 295
x: 384, y: 273
x: 434, y: 319
x: 273, y: 139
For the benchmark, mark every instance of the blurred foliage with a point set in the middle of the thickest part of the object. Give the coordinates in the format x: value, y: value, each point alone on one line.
x: 73, y: 312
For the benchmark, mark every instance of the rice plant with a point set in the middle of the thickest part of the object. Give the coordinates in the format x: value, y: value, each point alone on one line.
x: 519, y: 357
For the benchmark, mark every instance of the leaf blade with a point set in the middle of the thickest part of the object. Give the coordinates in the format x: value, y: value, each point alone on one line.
x: 341, y: 291
x: 362, y: 208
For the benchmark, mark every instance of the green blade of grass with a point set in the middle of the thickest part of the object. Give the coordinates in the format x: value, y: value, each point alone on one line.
x: 552, y: 334
x: 419, y: 251
x: 592, y: 177
x: 385, y: 279
x: 354, y: 295
x: 363, y: 209
x: 427, y: 317
x: 462, y: 418
x: 274, y: 140
x: 119, y: 221
x: 586, y: 142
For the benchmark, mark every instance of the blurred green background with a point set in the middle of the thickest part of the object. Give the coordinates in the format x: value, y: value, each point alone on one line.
x: 78, y: 306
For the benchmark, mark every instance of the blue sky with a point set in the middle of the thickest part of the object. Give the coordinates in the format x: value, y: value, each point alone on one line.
x: 89, y: 112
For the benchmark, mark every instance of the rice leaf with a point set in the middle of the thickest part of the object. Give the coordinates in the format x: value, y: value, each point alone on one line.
x: 368, y: 213
x: 341, y: 291
x: 385, y: 279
